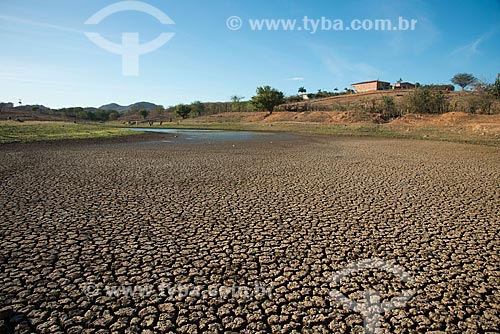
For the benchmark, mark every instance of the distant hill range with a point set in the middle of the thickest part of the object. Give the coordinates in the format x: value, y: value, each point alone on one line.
x: 123, y: 109
x: 27, y: 107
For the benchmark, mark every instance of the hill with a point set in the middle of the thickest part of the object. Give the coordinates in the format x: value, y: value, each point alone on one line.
x: 123, y: 109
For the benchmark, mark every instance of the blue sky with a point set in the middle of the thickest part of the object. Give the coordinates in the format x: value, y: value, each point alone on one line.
x: 47, y: 59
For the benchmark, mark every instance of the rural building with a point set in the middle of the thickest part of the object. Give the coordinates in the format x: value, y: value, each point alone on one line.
x: 369, y: 86
x: 403, y: 85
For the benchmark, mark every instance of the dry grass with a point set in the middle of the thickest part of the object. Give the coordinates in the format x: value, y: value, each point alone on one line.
x: 12, y: 131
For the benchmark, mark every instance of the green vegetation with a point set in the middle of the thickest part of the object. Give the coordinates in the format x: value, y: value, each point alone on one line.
x: 197, y: 109
x: 11, y: 131
x: 444, y: 88
x: 183, y: 110
x: 97, y: 115
x: 267, y: 98
x: 483, y: 100
x: 463, y: 80
x: 425, y: 101
x: 389, y: 110
x: 495, y: 88
x: 236, y: 102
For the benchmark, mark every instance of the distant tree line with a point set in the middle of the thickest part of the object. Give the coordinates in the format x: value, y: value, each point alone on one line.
x: 97, y: 115
x: 428, y: 98
x: 197, y: 108
x: 446, y: 88
x: 318, y: 95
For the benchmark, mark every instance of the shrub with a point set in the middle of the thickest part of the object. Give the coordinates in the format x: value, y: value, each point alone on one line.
x: 495, y: 88
x: 425, y: 101
x: 480, y: 103
x: 389, y: 109
x: 447, y: 88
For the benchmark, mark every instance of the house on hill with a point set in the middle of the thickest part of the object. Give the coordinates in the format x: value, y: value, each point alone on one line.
x: 369, y: 86
x: 403, y: 85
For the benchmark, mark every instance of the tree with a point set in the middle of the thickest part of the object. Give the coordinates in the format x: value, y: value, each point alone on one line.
x: 463, y: 80
x: 197, y: 108
x: 113, y: 115
x: 267, y: 98
x: 144, y: 113
x: 237, y: 101
x: 183, y: 110
x: 101, y: 115
x: 236, y: 98
x: 82, y: 114
x: 159, y: 110
x: 495, y: 88
x: 302, y: 90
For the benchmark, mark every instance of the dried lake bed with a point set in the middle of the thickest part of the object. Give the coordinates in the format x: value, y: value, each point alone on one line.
x: 249, y: 235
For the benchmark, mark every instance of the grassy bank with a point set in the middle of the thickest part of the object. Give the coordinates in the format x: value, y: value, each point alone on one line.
x: 23, y: 132
x: 11, y: 131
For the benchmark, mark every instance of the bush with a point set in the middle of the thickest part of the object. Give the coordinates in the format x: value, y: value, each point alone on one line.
x: 389, y: 109
x: 476, y: 103
x: 293, y: 99
x: 495, y: 88
x: 479, y: 103
x: 425, y: 101
x: 447, y: 88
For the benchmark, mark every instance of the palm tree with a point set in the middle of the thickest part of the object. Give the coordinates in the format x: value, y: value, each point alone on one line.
x: 236, y: 101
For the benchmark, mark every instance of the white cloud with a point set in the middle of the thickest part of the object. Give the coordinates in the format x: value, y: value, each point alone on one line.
x: 472, y: 48
x: 296, y: 79
x: 38, y: 24
x: 345, y: 69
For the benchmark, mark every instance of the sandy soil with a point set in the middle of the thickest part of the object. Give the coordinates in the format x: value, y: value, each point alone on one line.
x: 78, y: 220
x: 350, y: 117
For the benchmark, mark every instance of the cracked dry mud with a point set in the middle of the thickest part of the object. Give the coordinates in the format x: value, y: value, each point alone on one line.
x: 286, y: 215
